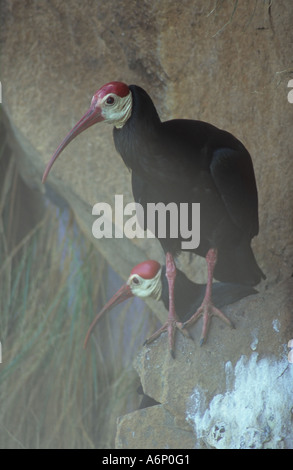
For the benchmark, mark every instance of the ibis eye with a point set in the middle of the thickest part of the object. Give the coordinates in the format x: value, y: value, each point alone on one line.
x: 135, y: 280
x: 110, y: 100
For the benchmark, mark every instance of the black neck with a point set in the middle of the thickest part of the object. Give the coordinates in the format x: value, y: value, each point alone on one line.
x: 140, y: 129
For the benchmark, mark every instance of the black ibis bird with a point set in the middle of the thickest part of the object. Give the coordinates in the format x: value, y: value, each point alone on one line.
x: 184, y: 161
x: 148, y: 279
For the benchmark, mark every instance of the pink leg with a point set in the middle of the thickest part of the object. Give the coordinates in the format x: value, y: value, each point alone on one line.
x: 172, y: 321
x: 207, y: 309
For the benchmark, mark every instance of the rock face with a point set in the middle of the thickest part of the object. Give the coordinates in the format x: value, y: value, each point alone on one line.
x: 228, y: 63
x: 235, y: 392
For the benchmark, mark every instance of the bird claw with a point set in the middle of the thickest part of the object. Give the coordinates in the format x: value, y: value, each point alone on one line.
x: 207, y: 310
x: 170, y: 327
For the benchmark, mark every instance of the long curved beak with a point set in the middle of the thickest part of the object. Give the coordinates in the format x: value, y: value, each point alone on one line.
x: 91, y: 117
x: 121, y: 295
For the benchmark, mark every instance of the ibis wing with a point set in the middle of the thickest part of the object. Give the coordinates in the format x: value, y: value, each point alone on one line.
x: 233, y: 175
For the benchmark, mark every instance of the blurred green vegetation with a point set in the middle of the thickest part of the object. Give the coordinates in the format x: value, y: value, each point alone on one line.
x: 53, y: 393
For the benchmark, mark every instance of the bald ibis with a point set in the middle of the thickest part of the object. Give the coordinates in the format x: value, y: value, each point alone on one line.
x: 184, y: 161
x: 148, y: 279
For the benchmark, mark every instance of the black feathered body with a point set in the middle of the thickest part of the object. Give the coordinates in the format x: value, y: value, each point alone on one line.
x: 187, y: 161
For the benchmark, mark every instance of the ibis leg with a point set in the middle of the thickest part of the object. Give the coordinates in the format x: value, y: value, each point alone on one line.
x: 207, y: 309
x: 172, y: 322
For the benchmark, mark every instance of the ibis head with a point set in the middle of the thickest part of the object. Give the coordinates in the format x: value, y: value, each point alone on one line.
x: 144, y: 281
x: 112, y: 103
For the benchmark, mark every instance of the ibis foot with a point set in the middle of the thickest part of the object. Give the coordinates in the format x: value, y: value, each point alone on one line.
x: 207, y: 310
x: 170, y: 326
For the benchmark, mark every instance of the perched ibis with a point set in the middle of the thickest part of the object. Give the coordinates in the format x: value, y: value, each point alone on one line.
x: 184, y: 161
x: 148, y: 279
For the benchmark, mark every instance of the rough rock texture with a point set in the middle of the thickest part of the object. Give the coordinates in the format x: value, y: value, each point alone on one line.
x: 234, y: 392
x: 225, y: 62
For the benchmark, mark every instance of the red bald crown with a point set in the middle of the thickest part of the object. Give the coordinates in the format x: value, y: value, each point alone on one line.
x: 146, y: 269
x: 119, y: 88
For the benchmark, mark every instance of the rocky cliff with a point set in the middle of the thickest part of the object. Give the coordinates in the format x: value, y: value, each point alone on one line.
x: 228, y: 63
